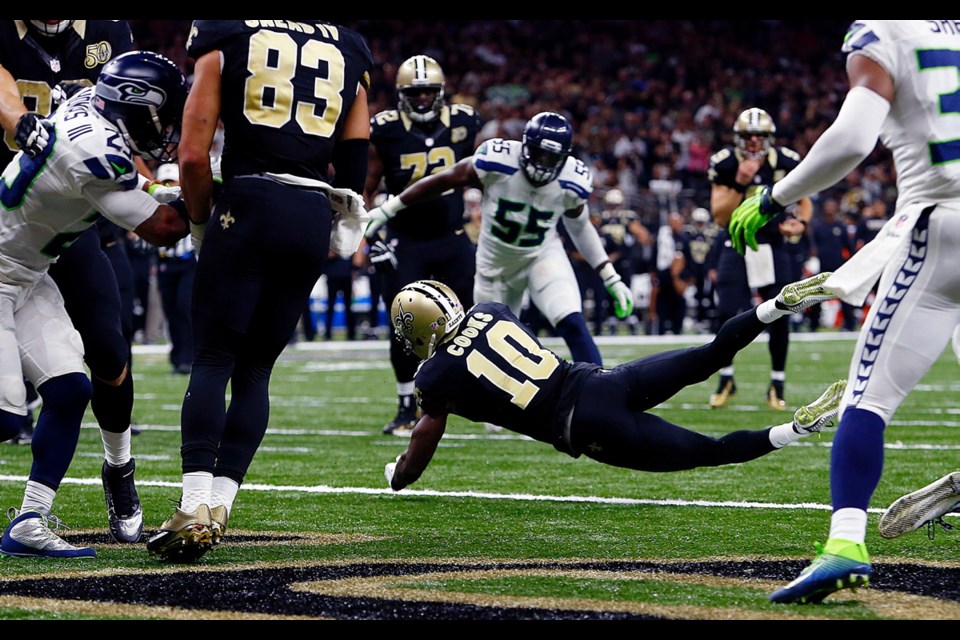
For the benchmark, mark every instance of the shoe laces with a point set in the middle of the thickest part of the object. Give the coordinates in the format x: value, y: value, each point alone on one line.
x: 932, y: 526
x: 57, y: 524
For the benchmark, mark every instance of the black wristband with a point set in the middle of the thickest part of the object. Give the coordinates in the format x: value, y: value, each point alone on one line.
x: 350, y: 163
x: 740, y: 188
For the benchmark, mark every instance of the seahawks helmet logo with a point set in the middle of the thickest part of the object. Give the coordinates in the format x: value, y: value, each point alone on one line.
x: 130, y: 91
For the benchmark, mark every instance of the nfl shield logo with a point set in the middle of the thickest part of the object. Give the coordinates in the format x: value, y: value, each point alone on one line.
x: 55, y: 65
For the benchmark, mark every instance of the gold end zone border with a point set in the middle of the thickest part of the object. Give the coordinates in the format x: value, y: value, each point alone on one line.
x: 404, y: 586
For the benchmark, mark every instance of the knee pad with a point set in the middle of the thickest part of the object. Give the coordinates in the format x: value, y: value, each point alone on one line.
x: 13, y: 395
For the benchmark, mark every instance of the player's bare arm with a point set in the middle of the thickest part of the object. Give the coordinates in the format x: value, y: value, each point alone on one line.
x: 723, y: 200
x: 864, y: 72
x: 423, y: 444
x: 461, y: 174
x: 164, y: 228
x: 201, y: 114
x: 11, y: 107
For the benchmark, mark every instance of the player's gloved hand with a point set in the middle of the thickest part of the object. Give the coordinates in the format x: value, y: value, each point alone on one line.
x: 62, y: 92
x: 620, y: 292
x: 33, y: 134
x: 382, y: 257
x: 389, y: 470
x: 162, y: 193
x: 380, y: 215
x: 746, y: 220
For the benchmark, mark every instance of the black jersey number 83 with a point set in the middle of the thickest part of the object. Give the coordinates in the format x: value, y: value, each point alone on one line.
x: 272, y: 99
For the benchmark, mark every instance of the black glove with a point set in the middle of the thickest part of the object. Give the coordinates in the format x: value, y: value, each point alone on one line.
x: 33, y: 134
x: 382, y: 257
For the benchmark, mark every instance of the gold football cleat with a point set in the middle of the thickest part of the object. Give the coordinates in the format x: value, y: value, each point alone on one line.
x: 184, y: 537
x: 728, y: 388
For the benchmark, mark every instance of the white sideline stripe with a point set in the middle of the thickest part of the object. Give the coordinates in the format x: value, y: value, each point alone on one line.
x: 898, y: 446
x: 522, y: 497
x: 384, y: 345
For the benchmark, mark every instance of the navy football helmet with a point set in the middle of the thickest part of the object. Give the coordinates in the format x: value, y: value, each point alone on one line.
x: 547, y: 142
x: 142, y: 93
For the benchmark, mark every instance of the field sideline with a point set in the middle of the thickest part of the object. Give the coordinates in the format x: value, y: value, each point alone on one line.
x: 500, y: 527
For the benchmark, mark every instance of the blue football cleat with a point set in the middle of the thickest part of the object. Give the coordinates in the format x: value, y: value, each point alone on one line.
x: 840, y: 564
x: 29, y: 536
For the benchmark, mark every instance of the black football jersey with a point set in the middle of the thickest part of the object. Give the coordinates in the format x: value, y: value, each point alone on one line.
x: 780, y: 161
x: 410, y: 151
x: 39, y: 63
x: 285, y: 91
x: 495, y: 370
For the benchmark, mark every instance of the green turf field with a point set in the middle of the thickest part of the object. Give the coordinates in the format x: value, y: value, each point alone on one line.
x: 499, y: 526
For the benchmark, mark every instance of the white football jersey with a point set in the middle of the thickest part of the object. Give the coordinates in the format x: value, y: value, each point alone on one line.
x: 922, y: 129
x: 518, y: 219
x: 48, y: 202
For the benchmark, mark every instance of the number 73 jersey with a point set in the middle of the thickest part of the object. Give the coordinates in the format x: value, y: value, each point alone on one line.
x: 518, y: 218
x: 493, y: 369
x: 287, y: 87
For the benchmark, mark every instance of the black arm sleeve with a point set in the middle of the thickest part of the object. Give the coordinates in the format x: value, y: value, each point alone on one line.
x: 350, y: 163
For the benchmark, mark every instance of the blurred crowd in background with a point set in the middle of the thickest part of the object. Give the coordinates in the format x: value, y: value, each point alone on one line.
x: 650, y: 102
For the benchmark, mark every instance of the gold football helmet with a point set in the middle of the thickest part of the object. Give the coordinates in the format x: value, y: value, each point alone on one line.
x: 423, y: 314
x: 420, y: 83
x: 754, y: 122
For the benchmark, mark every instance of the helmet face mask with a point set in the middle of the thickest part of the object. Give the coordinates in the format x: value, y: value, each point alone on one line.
x: 420, y: 88
x: 423, y: 313
x: 142, y: 93
x: 546, y: 144
x: 50, y: 28
x: 753, y: 132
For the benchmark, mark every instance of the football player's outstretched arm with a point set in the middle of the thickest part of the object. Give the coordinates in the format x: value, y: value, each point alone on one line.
x: 851, y: 137
x: 201, y: 114
x: 459, y: 175
x: 844, y: 145
x: 423, y: 443
x: 587, y: 241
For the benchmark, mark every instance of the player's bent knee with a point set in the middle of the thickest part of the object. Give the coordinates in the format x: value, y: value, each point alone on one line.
x: 116, y: 382
x: 71, y: 392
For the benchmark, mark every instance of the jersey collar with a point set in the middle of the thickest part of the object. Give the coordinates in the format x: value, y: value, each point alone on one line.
x: 444, y: 118
x: 80, y: 26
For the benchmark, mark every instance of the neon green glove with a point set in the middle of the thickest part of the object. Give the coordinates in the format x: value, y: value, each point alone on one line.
x: 621, y: 293
x: 749, y: 217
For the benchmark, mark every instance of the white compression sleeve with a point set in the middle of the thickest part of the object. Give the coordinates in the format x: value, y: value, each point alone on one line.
x: 586, y: 238
x: 840, y: 148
